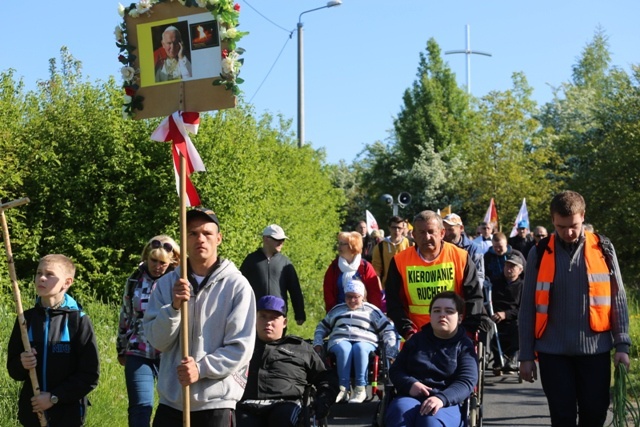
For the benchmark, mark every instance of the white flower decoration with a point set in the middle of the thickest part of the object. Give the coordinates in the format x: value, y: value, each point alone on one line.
x: 127, y: 99
x: 144, y: 6
x: 118, y: 33
x: 134, y: 13
x: 228, y: 33
x: 230, y: 65
x: 128, y: 73
x: 201, y: 3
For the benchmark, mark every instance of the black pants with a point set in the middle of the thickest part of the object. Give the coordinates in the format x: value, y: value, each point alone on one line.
x: 281, y: 414
x: 584, y: 381
x: 169, y: 417
x: 508, y: 336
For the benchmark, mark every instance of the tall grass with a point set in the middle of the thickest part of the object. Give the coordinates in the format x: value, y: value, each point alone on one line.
x: 634, y: 331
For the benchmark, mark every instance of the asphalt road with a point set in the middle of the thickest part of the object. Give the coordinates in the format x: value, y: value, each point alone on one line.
x: 506, y: 403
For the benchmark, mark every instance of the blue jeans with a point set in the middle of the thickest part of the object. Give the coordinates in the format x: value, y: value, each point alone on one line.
x: 140, y: 374
x: 356, y: 353
x: 405, y: 412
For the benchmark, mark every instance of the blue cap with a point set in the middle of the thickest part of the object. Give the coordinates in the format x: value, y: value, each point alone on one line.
x: 523, y: 224
x: 273, y: 303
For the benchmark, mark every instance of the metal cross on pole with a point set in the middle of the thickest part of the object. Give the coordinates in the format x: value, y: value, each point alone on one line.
x: 468, y: 52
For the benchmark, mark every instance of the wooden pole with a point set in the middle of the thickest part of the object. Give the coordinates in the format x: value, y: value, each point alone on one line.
x: 33, y: 376
x: 184, y: 311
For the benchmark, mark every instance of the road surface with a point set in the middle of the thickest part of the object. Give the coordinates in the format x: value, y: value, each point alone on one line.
x: 506, y: 403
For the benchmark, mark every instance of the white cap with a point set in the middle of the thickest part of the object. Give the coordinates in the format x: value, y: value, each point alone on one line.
x: 355, y: 287
x: 274, y: 231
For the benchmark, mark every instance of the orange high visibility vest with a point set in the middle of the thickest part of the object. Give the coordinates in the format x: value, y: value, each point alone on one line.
x: 599, y: 279
x: 422, y: 280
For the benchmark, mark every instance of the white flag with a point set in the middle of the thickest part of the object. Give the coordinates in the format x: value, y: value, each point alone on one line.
x: 523, y: 215
x: 372, y: 224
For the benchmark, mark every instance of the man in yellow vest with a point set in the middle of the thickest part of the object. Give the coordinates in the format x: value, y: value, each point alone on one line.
x: 432, y: 266
x: 573, y: 311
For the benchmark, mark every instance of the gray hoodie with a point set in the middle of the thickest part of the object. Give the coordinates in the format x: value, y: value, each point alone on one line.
x: 222, y: 325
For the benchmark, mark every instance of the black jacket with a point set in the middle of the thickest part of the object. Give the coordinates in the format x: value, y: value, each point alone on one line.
x: 281, y: 369
x: 72, y: 367
x: 506, y: 297
x: 275, y: 276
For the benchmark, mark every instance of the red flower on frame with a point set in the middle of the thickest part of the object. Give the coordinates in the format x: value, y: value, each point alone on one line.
x: 236, y: 7
x: 225, y: 53
x: 129, y: 91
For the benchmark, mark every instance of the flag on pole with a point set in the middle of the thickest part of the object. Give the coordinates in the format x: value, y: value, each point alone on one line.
x: 491, y: 216
x: 372, y: 224
x: 445, y: 211
x: 523, y: 215
x: 176, y: 128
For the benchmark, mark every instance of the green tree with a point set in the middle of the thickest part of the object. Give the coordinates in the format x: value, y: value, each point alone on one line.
x: 100, y: 188
x: 435, y: 108
x: 594, y: 124
x: 423, y: 152
x: 509, y: 158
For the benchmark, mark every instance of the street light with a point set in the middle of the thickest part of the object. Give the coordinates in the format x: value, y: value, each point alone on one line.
x: 301, y: 70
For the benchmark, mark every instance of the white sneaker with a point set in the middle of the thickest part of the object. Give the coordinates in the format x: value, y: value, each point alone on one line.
x: 343, y: 395
x: 360, y: 395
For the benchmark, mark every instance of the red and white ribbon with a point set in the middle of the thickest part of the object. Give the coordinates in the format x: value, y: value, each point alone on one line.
x: 176, y: 128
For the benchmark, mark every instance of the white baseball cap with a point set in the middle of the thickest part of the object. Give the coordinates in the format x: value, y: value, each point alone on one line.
x: 274, y: 231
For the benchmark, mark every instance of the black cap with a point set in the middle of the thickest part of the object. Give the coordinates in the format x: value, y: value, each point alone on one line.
x: 515, y: 258
x: 206, y: 213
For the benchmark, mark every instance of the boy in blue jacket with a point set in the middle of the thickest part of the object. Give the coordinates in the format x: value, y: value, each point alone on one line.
x: 64, y: 352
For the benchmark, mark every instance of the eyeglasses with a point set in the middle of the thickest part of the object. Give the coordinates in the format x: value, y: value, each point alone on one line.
x: 352, y: 297
x: 156, y: 244
x: 540, y: 235
x: 343, y: 243
x: 276, y: 240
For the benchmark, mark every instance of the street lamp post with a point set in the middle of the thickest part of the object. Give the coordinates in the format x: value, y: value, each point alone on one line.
x: 301, y: 69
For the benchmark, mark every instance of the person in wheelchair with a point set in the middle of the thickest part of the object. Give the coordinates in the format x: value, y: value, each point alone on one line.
x: 435, y: 371
x: 354, y: 329
x: 505, y: 298
x: 281, y: 367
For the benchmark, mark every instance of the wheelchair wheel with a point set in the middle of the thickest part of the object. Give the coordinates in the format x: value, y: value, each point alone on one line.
x: 475, y: 400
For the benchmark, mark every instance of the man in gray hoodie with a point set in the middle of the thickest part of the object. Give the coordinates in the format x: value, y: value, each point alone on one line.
x: 222, y: 319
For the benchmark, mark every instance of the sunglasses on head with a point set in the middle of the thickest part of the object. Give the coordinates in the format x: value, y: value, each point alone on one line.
x: 156, y: 244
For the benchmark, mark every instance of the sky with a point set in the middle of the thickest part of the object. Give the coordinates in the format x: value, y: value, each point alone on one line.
x: 359, y: 58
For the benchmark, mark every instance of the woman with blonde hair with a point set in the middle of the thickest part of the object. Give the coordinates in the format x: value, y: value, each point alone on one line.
x: 349, y: 265
x: 160, y: 255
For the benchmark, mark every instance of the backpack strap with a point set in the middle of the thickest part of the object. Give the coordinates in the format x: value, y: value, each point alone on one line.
x: 607, y: 249
x: 603, y: 241
x: 381, y: 257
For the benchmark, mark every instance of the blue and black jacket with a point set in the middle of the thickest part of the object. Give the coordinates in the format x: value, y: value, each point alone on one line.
x: 67, y: 362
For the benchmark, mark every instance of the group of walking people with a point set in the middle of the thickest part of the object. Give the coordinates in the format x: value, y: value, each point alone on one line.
x: 243, y: 368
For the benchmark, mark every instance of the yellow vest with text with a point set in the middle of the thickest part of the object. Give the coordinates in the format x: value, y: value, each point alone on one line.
x: 423, y: 280
x: 599, y: 285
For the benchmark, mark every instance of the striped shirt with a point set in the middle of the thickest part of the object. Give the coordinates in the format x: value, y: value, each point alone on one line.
x: 366, y: 323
